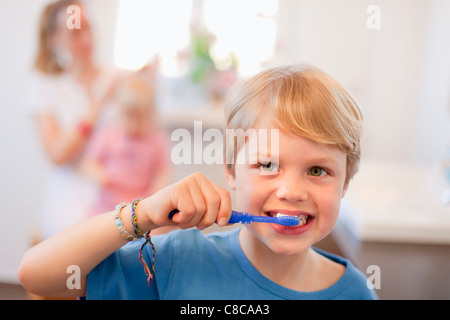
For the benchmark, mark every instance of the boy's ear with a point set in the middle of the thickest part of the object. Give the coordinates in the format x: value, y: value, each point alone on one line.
x: 229, y: 176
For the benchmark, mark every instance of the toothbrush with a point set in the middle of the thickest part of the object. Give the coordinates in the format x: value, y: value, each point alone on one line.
x: 245, y: 218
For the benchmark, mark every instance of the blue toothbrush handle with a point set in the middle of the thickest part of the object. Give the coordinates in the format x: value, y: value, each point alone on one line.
x: 236, y: 217
x: 245, y: 218
x: 240, y: 217
x: 172, y: 213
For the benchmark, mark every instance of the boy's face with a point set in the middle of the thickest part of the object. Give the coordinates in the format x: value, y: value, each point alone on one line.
x: 304, y: 178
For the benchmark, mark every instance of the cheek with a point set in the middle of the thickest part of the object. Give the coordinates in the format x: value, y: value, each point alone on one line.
x: 249, y: 195
x: 328, y: 205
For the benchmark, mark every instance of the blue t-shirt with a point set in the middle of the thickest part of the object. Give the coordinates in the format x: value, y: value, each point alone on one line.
x: 191, y: 265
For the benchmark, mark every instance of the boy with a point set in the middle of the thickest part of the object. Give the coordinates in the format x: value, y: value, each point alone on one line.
x: 306, y: 175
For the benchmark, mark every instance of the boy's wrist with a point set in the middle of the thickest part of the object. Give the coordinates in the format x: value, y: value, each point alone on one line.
x: 143, y: 216
x: 125, y: 216
x: 144, y: 222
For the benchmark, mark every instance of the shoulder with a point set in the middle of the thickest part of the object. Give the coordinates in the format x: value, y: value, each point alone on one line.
x: 37, y: 77
x: 42, y: 80
x: 47, y: 93
x: 40, y: 91
x: 352, y: 285
x: 40, y: 86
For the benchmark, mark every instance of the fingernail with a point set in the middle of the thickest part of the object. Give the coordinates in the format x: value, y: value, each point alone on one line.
x: 222, y: 221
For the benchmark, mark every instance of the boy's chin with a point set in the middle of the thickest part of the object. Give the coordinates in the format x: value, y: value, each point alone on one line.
x: 279, y: 244
x: 287, y: 249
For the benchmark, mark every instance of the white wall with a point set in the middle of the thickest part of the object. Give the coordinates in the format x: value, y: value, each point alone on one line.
x: 432, y: 136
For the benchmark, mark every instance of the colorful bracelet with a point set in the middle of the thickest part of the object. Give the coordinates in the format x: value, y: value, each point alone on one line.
x: 148, y: 240
x: 136, y: 229
x: 119, y: 224
x: 148, y: 272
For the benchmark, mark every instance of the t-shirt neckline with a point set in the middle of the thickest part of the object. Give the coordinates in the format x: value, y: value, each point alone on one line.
x: 283, y: 292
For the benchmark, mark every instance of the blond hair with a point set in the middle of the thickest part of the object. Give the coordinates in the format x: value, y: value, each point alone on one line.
x: 137, y: 93
x: 45, y: 60
x: 305, y: 101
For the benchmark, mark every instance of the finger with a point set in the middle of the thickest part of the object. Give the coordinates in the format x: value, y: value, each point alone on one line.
x: 191, y: 206
x: 224, y: 210
x: 212, y: 200
x: 180, y: 200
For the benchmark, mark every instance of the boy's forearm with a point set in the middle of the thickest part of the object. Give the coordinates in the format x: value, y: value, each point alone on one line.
x: 44, y: 268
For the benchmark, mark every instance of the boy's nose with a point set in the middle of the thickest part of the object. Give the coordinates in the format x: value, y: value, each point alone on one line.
x: 292, y: 189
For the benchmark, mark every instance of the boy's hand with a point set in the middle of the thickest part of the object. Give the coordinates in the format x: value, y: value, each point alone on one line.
x: 199, y: 201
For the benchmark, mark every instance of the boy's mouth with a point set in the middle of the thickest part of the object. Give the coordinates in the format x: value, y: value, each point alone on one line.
x: 303, y: 217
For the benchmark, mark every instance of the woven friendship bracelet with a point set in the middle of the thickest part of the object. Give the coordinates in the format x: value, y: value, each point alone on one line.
x: 148, y: 240
x: 119, y: 224
x: 136, y: 229
x: 149, y: 272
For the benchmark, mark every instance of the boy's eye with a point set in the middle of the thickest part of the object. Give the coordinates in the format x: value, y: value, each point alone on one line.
x: 317, y: 171
x: 268, y: 166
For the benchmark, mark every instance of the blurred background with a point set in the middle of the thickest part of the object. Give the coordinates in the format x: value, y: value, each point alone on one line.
x: 393, y: 56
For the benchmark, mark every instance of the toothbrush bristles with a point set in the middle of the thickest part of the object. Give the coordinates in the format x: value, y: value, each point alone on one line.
x: 288, y: 221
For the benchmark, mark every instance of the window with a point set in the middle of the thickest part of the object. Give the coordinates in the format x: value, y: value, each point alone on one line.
x: 243, y: 31
x: 146, y: 28
x: 242, y: 28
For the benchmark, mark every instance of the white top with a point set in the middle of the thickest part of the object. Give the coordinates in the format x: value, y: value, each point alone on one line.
x: 68, y: 194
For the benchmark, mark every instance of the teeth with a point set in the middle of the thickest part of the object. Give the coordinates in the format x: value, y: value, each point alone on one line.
x: 302, y: 218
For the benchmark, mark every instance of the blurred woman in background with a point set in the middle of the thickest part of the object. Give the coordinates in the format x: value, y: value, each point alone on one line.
x: 68, y: 97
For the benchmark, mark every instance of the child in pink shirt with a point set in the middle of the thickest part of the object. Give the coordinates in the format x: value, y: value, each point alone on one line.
x: 129, y: 160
